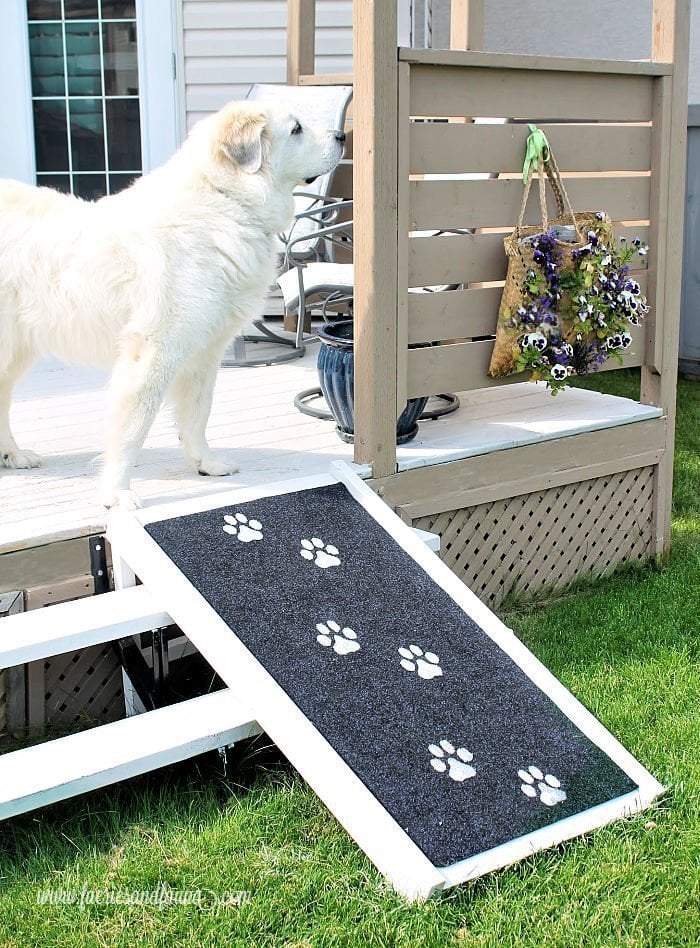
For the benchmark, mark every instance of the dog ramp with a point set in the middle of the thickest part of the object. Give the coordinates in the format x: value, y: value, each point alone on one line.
x: 442, y: 745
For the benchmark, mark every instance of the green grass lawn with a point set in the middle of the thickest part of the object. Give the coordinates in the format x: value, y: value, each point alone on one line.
x: 627, y: 646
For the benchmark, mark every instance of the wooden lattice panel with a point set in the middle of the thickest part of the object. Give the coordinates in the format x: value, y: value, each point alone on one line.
x: 3, y: 703
x: 79, y: 688
x: 547, y: 539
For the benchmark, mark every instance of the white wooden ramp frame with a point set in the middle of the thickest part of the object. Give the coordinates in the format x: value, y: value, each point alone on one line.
x: 368, y: 822
x: 64, y: 767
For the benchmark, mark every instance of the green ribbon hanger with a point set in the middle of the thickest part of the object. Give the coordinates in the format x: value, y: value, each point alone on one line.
x: 536, y: 151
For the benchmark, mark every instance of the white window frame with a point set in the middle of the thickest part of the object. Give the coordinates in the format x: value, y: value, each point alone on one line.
x: 17, y: 126
x: 159, y: 103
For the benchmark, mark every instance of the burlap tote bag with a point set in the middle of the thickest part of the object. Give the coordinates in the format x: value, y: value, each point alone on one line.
x: 520, y: 319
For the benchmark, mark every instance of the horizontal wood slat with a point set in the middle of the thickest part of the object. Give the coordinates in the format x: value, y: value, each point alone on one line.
x: 341, y: 185
x: 457, y: 314
x: 462, y: 314
x: 517, y: 61
x: 552, y: 452
x: 463, y: 366
x: 451, y: 368
x: 439, y: 205
x: 474, y: 258
x: 534, y: 96
x: 452, y: 148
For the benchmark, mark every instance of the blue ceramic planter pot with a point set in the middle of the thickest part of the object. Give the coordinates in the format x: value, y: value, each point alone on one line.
x: 336, y: 376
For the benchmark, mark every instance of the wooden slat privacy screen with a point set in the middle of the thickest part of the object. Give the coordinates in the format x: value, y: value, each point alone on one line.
x: 530, y: 94
x: 464, y: 176
x: 496, y: 203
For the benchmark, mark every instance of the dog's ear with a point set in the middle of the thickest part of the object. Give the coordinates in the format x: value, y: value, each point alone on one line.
x: 240, y: 138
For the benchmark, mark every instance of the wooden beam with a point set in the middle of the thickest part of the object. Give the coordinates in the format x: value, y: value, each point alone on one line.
x: 535, y: 94
x: 555, y: 64
x: 376, y: 233
x: 301, y: 39
x: 467, y: 24
x: 28, y: 565
x: 671, y: 29
x: 662, y: 37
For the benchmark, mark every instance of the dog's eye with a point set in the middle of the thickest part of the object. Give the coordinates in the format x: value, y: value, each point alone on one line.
x: 297, y: 130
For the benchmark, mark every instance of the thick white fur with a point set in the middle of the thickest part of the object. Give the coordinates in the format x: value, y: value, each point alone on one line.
x: 155, y: 280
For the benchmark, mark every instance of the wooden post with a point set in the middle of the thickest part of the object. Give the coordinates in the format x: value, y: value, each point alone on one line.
x: 662, y: 37
x: 12, y: 680
x: 375, y: 156
x: 671, y: 28
x: 467, y: 24
x: 301, y: 39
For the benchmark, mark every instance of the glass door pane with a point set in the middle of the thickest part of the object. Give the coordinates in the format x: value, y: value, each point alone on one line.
x: 85, y: 91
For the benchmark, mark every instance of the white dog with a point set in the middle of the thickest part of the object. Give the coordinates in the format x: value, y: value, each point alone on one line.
x: 155, y: 280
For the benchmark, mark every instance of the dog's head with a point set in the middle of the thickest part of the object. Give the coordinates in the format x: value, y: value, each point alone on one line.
x: 257, y: 139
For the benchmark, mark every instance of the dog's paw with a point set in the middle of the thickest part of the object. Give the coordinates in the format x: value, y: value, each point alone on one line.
x: 120, y: 500
x: 216, y: 467
x: 15, y: 458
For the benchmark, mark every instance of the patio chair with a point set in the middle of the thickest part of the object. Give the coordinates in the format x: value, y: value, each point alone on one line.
x: 331, y: 286
x: 325, y: 106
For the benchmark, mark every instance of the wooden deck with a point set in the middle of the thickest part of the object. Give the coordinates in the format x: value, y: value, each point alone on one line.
x: 59, y: 411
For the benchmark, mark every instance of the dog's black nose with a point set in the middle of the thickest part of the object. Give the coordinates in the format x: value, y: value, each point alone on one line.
x: 340, y: 137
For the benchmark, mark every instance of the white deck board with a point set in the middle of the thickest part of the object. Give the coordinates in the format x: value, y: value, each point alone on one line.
x: 59, y: 412
x: 514, y: 415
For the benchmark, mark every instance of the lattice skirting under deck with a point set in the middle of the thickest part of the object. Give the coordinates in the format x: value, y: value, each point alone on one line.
x: 77, y: 688
x: 545, y: 540
x: 69, y: 691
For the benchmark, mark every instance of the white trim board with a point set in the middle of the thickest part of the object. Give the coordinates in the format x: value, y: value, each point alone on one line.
x: 17, y: 126
x: 367, y: 821
x: 63, y: 768
x: 68, y: 626
x: 161, y: 132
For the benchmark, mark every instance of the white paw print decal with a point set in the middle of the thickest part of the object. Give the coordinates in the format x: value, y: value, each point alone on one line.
x: 458, y: 760
x: 246, y: 530
x: 320, y: 553
x: 550, y: 792
x: 343, y: 640
x: 427, y: 664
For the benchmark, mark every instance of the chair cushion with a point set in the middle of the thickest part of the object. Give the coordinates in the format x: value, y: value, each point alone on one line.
x: 319, y: 278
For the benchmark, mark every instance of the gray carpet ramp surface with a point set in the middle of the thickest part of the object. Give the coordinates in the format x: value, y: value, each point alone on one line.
x: 440, y: 724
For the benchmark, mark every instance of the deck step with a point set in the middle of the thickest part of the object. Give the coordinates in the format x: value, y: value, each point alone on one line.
x: 62, y: 768
x: 69, y: 626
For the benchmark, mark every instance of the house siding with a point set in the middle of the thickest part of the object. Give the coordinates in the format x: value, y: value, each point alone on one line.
x: 230, y: 44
